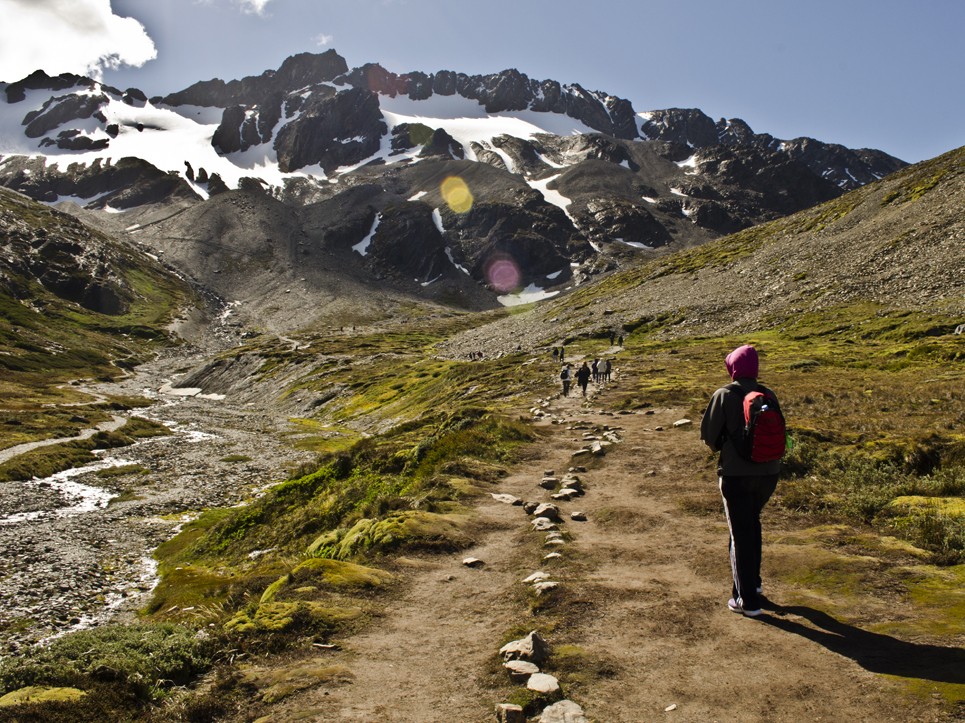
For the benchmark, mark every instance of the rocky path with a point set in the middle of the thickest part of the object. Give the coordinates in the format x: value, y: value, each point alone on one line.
x: 641, y: 603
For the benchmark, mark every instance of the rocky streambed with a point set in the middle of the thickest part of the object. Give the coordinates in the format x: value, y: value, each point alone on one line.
x: 75, y: 549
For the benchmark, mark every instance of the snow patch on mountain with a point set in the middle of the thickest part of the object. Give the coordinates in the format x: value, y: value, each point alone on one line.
x: 529, y: 295
x: 362, y: 247
x: 550, y: 196
x: 466, y: 120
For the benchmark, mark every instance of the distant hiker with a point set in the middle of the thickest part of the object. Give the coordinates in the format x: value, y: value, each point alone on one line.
x: 562, y: 355
x: 583, y: 377
x: 745, y: 485
x: 595, y: 368
x: 566, y: 378
x: 612, y: 337
x: 606, y: 370
x: 556, y: 353
x: 620, y: 340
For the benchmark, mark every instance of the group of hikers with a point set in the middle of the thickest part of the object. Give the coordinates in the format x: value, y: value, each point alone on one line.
x: 599, y: 371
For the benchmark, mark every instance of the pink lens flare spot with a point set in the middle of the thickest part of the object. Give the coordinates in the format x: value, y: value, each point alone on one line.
x: 503, y: 274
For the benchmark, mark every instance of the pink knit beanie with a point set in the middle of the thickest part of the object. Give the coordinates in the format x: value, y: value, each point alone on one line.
x: 742, y: 362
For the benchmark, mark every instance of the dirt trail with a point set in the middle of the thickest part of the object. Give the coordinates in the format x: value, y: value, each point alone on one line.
x: 643, y: 600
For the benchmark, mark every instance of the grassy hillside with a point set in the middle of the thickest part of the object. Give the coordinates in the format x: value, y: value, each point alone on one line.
x: 54, y: 273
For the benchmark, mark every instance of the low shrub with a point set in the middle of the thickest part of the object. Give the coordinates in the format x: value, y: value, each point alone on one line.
x: 143, y: 660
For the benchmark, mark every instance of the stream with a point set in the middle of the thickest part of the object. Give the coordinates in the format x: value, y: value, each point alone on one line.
x: 75, y: 548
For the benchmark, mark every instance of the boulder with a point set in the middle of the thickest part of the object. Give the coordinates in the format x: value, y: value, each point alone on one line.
x: 443, y: 145
x: 520, y: 670
x: 543, y: 683
x: 541, y: 588
x: 510, y: 713
x: 506, y: 499
x: 549, y: 511
x: 564, y: 711
x: 408, y: 243
x: 533, y: 648
x: 543, y: 524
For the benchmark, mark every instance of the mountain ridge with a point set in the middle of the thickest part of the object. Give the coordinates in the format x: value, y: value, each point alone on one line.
x: 562, y: 183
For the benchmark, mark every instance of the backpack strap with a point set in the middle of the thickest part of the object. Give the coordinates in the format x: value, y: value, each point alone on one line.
x: 726, y: 433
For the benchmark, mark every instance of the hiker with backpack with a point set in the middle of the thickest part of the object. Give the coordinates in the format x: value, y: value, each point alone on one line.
x: 744, y: 423
x: 566, y: 379
x: 583, y: 377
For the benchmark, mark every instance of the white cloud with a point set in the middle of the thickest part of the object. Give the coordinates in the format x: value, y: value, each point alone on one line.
x: 256, y: 7
x: 68, y: 36
x: 324, y: 39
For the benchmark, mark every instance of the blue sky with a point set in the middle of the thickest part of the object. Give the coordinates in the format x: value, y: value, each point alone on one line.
x: 865, y: 73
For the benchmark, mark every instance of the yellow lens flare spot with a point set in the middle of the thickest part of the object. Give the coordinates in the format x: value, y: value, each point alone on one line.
x: 456, y: 194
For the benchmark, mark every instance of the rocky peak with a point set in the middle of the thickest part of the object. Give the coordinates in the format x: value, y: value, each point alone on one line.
x: 687, y: 126
x: 39, y: 80
x: 375, y: 78
x: 297, y: 72
x: 334, y: 131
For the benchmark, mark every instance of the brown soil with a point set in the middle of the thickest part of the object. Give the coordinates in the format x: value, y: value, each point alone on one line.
x: 639, y: 626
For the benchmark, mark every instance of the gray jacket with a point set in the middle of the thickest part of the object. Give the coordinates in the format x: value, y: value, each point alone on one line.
x: 723, y: 421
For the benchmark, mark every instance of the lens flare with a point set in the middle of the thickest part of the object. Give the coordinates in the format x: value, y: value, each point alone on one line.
x: 456, y: 194
x: 503, y: 274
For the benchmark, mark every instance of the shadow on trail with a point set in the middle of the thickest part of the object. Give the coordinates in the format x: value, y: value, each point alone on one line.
x: 872, y: 651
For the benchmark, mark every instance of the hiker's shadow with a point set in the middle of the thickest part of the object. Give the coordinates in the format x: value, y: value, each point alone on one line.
x: 872, y: 651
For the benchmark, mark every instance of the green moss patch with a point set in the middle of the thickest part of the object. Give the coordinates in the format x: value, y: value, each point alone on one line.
x: 197, y: 594
x: 39, y: 694
x: 938, y: 594
x: 952, y: 506
x: 412, y: 529
x: 338, y: 575
x: 302, y: 617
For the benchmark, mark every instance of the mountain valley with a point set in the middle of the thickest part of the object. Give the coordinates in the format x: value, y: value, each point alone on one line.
x: 280, y: 355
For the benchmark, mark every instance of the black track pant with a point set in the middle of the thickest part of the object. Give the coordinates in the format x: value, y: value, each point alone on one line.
x: 744, y: 498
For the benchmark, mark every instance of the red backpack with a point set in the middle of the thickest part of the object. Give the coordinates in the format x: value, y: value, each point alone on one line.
x: 764, y: 436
